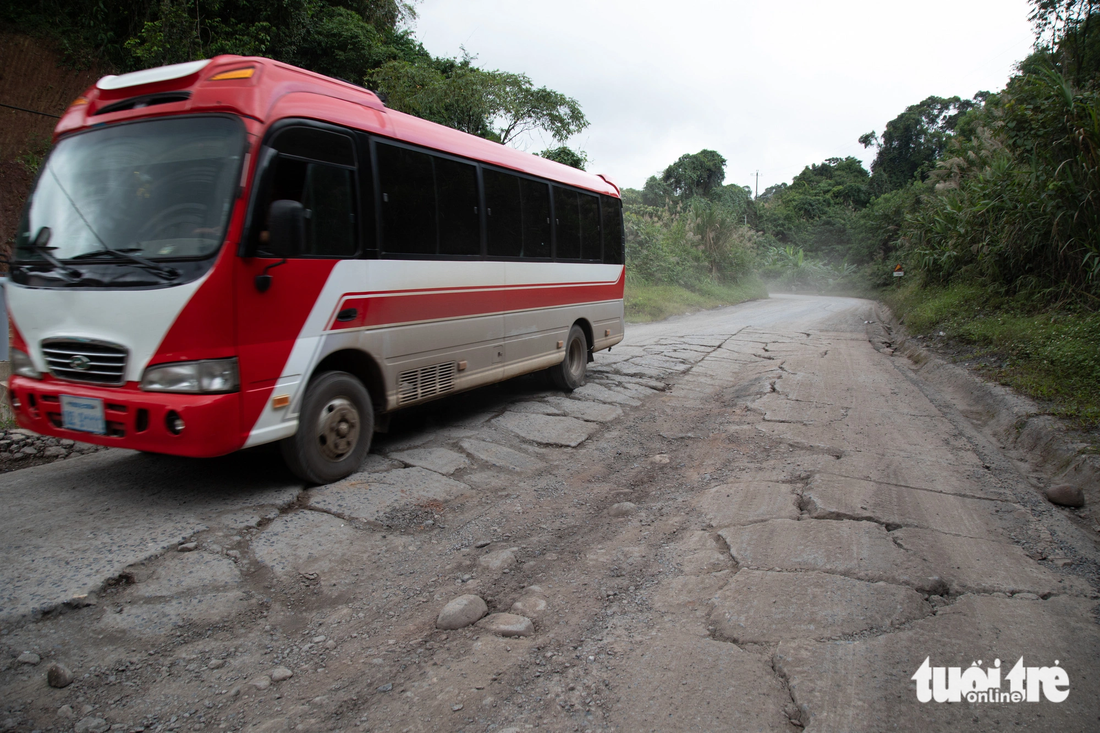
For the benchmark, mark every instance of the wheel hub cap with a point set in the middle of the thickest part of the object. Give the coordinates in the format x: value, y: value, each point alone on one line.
x: 338, y: 429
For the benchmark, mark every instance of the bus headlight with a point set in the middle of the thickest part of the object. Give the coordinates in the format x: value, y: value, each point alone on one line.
x: 22, y: 365
x: 197, y: 377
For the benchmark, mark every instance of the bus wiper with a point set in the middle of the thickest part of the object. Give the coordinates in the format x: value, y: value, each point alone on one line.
x: 162, y: 271
x: 40, y: 244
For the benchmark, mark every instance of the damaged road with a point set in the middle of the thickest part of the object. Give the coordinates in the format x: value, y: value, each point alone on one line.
x: 753, y: 518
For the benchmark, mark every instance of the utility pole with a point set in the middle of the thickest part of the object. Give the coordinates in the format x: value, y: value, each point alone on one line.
x: 757, y: 185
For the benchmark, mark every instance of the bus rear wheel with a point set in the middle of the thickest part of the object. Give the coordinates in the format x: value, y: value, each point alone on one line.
x: 569, y: 374
x: 335, y: 428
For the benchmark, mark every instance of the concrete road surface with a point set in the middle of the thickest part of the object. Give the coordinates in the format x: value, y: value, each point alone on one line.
x: 748, y: 519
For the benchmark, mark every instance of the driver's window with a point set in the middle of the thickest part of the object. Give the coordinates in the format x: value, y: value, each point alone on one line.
x: 317, y: 169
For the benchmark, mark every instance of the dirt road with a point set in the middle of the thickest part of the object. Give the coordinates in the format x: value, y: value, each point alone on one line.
x: 749, y: 519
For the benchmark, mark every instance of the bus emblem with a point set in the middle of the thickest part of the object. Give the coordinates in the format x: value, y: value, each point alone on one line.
x: 80, y: 362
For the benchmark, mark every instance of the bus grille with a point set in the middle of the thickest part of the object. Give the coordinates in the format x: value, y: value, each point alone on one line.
x: 418, y: 384
x: 85, y: 361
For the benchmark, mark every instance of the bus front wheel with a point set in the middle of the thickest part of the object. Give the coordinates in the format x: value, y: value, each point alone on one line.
x: 570, y: 373
x: 335, y: 428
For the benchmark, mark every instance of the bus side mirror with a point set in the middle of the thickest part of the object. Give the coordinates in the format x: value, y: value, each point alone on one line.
x: 286, y: 229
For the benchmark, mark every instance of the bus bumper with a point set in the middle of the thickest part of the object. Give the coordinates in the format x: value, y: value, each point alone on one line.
x: 134, y: 419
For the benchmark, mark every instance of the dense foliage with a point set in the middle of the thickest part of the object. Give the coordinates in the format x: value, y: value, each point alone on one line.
x: 686, y: 228
x: 365, y: 42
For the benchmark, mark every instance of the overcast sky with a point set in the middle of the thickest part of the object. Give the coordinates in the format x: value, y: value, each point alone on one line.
x: 772, y: 86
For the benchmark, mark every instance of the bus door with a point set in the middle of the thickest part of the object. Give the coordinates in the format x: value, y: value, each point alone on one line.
x: 308, y: 181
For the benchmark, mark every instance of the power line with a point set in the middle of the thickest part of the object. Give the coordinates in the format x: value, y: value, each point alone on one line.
x: 31, y: 111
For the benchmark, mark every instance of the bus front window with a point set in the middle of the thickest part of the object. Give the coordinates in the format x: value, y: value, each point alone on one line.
x: 160, y: 189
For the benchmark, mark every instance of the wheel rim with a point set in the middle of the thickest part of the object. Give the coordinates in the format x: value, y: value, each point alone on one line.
x: 575, y: 359
x: 338, y: 429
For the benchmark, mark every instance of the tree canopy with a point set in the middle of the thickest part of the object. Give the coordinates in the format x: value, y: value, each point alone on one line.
x: 361, y: 41
x: 695, y: 174
x: 914, y: 140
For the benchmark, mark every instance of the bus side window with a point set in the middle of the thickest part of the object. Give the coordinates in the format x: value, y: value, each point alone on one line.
x: 590, y: 227
x: 317, y: 169
x: 459, y: 221
x: 407, y: 189
x: 567, y: 224
x: 612, y: 230
x: 536, y: 217
x: 330, y: 226
x: 328, y: 194
x: 503, y: 213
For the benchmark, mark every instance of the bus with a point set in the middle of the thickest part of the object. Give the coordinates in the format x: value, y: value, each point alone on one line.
x: 230, y: 252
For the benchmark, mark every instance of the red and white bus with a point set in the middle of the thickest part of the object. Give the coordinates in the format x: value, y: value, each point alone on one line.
x: 230, y: 252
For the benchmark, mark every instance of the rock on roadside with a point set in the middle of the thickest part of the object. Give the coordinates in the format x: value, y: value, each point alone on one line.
x: 58, y: 675
x: 461, y: 612
x: 497, y: 561
x: 280, y: 674
x: 1065, y: 495
x: 508, y: 624
x: 531, y: 606
x: 622, y: 509
x: 91, y: 724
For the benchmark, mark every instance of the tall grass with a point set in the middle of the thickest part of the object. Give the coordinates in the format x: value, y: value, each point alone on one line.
x: 1051, y: 355
x: 1017, y: 206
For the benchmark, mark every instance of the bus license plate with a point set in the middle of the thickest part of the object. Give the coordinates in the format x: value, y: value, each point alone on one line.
x: 83, y: 413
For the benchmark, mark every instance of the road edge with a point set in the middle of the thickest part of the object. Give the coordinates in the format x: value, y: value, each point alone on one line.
x: 1017, y: 421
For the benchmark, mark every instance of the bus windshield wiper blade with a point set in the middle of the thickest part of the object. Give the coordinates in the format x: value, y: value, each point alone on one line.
x: 162, y: 271
x: 40, y: 244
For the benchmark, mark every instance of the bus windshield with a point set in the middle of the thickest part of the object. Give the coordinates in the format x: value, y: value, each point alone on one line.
x: 159, y: 189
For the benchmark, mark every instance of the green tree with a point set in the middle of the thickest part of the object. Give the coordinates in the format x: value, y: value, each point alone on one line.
x: 493, y: 104
x: 566, y: 156
x: 1067, y: 35
x: 520, y: 107
x: 914, y: 140
x: 695, y: 174
x: 657, y: 193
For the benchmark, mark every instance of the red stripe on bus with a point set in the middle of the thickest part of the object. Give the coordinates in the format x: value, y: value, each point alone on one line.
x: 382, y: 308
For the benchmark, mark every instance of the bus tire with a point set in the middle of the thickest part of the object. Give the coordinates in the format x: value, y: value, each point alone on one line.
x: 569, y: 375
x: 335, y: 428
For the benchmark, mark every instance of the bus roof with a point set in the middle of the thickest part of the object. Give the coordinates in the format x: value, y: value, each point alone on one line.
x: 263, y: 90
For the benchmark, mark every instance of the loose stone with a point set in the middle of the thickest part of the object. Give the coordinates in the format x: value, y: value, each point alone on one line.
x: 188, y: 547
x: 91, y: 724
x: 66, y: 711
x: 1066, y: 495
x: 622, y: 509
x: 461, y: 612
x: 497, y: 561
x: 261, y: 683
x: 280, y: 674
x: 29, y: 658
x: 58, y: 675
x: 508, y: 624
x: 531, y: 606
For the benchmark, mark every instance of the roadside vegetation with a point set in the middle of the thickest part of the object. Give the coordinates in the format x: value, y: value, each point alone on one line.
x: 1050, y: 354
x: 366, y: 42
x: 690, y: 241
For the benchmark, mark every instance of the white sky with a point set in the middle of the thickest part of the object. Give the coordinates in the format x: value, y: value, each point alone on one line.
x: 772, y: 86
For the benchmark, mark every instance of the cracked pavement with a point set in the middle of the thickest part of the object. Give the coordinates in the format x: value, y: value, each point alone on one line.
x: 751, y: 518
